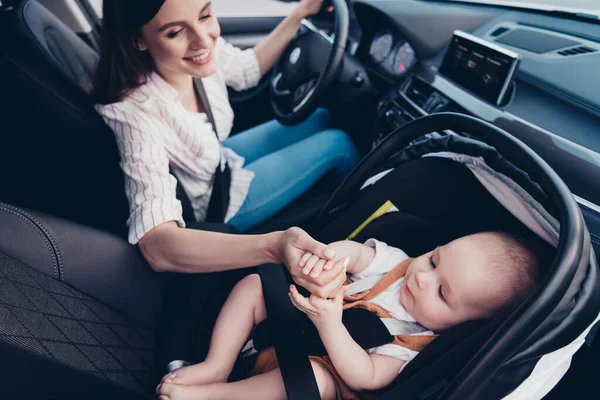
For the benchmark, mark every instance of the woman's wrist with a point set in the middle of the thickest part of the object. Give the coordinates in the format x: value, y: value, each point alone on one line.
x: 297, y: 15
x: 272, y: 246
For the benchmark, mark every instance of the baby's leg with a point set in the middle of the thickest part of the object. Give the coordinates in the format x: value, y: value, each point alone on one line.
x: 268, y: 386
x: 244, y: 309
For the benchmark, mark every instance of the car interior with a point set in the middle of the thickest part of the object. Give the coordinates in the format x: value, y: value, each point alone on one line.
x: 80, y: 308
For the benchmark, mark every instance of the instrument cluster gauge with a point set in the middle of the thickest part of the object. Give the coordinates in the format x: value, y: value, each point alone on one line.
x: 381, y: 47
x: 404, y: 59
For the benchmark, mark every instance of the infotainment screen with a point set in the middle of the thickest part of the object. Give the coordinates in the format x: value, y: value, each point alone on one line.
x: 483, y: 68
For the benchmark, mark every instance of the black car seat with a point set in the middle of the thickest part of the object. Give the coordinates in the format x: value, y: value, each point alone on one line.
x: 79, y: 306
x: 57, y: 155
x: 79, y: 309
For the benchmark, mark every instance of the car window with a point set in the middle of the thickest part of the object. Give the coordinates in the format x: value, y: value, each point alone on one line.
x: 252, y: 8
x: 237, y: 8
x: 587, y: 6
x: 97, y: 4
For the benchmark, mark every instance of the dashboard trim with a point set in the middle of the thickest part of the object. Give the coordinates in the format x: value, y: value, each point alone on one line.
x: 588, y: 204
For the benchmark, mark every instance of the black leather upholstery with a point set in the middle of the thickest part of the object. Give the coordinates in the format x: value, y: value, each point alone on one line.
x: 56, y: 342
x: 57, y: 154
x: 99, y: 264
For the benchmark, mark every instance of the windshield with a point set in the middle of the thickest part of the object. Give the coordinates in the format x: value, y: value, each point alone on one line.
x: 582, y: 6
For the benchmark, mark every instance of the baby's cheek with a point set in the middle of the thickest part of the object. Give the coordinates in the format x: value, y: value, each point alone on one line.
x: 437, y: 317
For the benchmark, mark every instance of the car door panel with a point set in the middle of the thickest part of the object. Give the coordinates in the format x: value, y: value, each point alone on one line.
x: 245, y: 41
x: 245, y: 25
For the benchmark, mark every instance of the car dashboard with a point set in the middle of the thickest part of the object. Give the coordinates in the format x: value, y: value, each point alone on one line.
x: 552, y: 105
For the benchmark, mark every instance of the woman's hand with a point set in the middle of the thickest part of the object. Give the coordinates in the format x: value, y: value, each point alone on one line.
x: 293, y: 244
x: 269, y: 50
x: 324, y: 313
x: 306, y: 8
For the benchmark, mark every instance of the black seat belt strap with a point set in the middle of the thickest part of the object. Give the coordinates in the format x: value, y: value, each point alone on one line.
x: 199, y: 87
x: 292, y: 354
x: 186, y: 205
x: 219, y: 200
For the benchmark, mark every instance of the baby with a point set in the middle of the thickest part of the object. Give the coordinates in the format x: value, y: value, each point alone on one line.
x: 474, y: 277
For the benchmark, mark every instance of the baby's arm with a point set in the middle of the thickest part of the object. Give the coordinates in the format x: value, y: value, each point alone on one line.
x: 359, y: 369
x: 359, y: 256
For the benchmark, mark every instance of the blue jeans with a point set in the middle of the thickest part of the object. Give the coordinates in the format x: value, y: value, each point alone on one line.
x: 287, y: 161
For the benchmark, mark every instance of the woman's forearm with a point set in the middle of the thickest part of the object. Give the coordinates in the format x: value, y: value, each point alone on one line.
x: 170, y: 248
x: 270, y: 49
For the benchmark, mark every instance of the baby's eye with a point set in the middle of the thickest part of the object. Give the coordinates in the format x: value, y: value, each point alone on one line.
x: 431, y: 262
x: 441, y: 294
x: 207, y: 16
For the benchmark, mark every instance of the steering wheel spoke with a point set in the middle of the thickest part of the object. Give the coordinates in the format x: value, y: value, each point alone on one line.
x: 275, y: 86
x: 308, y: 67
x: 303, y: 92
x: 308, y: 27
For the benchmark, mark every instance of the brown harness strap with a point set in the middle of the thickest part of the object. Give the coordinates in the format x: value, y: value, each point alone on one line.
x: 360, y: 300
x: 392, y: 276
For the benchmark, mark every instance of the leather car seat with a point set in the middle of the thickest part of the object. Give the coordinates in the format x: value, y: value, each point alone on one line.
x: 57, y: 154
x: 79, y: 306
x: 79, y: 311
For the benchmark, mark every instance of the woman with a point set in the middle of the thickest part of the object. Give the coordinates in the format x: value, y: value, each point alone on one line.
x: 152, y: 50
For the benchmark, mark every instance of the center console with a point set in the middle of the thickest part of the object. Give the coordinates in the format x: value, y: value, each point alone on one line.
x: 413, y: 99
x: 481, y: 69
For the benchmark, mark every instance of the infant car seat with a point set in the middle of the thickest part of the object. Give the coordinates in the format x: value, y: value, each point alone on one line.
x: 419, y: 189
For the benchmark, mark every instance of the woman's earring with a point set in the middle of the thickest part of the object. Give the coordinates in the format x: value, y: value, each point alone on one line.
x: 141, y: 46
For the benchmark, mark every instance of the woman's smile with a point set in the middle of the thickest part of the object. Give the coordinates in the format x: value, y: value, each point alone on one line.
x: 200, y: 59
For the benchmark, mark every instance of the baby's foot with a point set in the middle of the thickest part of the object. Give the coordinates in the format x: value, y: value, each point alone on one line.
x: 197, y: 374
x: 172, y: 391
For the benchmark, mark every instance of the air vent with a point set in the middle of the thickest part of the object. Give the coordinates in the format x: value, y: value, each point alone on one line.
x: 499, y: 31
x: 418, y: 92
x: 425, y: 97
x: 577, y: 51
x: 536, y: 41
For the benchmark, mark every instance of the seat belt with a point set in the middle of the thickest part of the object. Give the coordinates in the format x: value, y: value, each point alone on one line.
x: 187, y: 210
x: 219, y: 199
x: 291, y: 351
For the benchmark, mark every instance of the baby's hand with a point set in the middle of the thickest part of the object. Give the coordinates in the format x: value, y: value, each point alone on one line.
x: 314, y: 265
x: 322, y: 312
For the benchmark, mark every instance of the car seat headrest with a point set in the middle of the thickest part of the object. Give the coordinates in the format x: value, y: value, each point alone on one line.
x: 71, y: 54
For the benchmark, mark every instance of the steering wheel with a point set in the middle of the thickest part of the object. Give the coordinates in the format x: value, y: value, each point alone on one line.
x: 308, y: 67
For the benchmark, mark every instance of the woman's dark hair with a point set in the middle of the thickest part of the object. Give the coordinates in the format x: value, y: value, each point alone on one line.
x: 122, y: 66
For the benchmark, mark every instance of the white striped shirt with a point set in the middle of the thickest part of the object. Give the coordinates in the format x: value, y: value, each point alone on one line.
x: 155, y: 132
